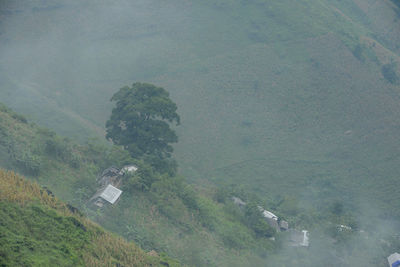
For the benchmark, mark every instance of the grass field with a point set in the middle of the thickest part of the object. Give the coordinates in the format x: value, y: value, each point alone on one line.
x: 280, y: 98
x: 253, y: 81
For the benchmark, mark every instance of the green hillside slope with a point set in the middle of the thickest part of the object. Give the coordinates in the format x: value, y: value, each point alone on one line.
x: 294, y: 103
x: 37, y: 229
x: 198, y: 225
x: 156, y: 211
x: 285, y: 80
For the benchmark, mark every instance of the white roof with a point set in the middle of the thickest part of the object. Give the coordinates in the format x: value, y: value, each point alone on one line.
x: 128, y: 169
x: 111, y: 194
x: 393, y: 258
x: 268, y: 214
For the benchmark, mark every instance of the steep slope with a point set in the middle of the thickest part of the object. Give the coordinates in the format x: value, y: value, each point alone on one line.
x: 158, y: 212
x: 84, y: 65
x: 288, y: 100
x: 37, y: 229
x: 200, y: 229
x: 282, y: 78
x: 198, y: 225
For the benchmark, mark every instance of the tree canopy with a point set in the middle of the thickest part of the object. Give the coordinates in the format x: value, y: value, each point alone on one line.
x: 141, y: 120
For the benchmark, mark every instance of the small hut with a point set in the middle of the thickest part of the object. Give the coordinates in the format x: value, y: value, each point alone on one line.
x: 270, y: 218
x: 108, y: 194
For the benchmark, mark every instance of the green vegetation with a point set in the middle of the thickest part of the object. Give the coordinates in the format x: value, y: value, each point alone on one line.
x: 198, y: 225
x: 158, y: 211
x: 295, y: 103
x: 389, y: 72
x: 139, y: 123
x: 39, y: 230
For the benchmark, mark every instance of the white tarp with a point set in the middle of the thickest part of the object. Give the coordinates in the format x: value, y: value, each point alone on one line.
x: 267, y: 214
x: 111, y: 194
x: 394, y: 260
x: 128, y: 169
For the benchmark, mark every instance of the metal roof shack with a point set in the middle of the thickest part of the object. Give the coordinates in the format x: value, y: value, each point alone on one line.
x: 270, y: 218
x: 394, y: 260
x: 109, y: 176
x: 267, y: 214
x: 109, y: 193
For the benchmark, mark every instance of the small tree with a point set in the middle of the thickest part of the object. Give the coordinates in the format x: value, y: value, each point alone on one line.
x: 140, y: 122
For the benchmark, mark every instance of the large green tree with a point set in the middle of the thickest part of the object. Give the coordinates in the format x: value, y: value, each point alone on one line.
x: 141, y: 121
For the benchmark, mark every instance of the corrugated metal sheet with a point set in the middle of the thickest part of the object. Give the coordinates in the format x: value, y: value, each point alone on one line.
x: 111, y: 194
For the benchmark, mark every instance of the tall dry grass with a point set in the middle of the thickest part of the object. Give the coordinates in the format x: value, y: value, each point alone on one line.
x: 105, y: 249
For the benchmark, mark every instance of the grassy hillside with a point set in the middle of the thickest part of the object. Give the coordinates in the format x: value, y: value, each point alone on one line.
x: 295, y: 102
x: 157, y: 212
x: 198, y: 225
x: 285, y: 80
x: 37, y: 229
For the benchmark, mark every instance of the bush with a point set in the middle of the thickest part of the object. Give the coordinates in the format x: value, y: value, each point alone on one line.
x: 29, y: 163
x: 234, y: 211
x: 19, y: 117
x: 389, y: 72
x: 117, y: 155
x: 63, y: 150
x: 289, y: 206
x: 337, y: 208
x: 234, y: 236
x: 207, y: 213
x: 13, y: 114
x: 221, y: 195
x: 171, y: 206
x: 358, y: 52
x: 165, y: 196
x: 188, y: 196
x: 257, y: 222
x: 145, y: 177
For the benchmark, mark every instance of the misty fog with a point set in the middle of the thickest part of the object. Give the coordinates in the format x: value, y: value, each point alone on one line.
x: 284, y: 100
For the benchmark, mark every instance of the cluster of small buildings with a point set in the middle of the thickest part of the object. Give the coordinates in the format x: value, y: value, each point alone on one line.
x: 297, y: 238
x: 109, y: 181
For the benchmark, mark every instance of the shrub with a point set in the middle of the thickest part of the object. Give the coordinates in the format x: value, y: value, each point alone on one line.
x: 28, y: 162
x: 256, y: 221
x: 358, y: 52
x: 221, y: 195
x: 188, y: 196
x: 389, y: 72
x: 207, y: 213
x: 289, y: 206
x: 234, y: 236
